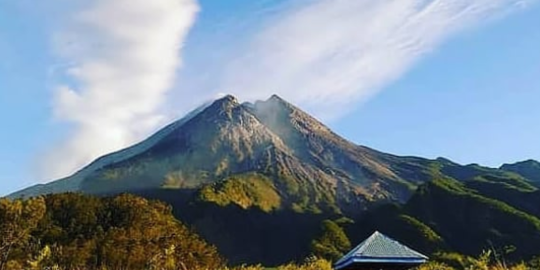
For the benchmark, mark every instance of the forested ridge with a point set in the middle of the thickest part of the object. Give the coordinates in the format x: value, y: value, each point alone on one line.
x: 74, y: 231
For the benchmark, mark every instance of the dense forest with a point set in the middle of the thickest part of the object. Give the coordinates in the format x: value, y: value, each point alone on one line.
x: 71, y: 231
x: 74, y: 231
x: 444, y: 215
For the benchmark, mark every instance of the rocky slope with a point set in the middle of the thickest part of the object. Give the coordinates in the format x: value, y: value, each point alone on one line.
x: 270, y: 147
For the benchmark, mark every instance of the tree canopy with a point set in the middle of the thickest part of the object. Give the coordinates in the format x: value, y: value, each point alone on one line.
x: 73, y: 231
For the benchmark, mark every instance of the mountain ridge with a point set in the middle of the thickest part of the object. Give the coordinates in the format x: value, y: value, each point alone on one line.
x: 272, y: 137
x: 529, y: 169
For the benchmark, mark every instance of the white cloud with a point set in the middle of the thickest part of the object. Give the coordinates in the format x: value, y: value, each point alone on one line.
x: 123, y: 56
x: 333, y: 53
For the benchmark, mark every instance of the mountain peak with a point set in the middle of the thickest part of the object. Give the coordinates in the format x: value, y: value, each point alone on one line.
x: 529, y: 162
x: 226, y: 138
x: 529, y: 169
x: 224, y: 104
x: 274, y: 107
x: 227, y: 99
x: 276, y: 98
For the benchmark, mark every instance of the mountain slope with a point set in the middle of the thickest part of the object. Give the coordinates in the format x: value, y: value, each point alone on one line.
x: 529, y: 169
x: 73, y: 182
x: 446, y: 215
x: 310, y: 167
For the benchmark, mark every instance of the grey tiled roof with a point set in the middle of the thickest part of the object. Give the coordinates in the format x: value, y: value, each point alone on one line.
x: 379, y: 248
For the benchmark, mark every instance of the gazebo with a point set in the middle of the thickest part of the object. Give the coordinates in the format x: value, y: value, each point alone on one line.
x: 380, y: 252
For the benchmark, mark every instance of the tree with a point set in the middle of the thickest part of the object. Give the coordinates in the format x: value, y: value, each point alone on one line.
x: 75, y: 231
x: 311, y: 263
x: 332, y: 243
x: 17, y: 220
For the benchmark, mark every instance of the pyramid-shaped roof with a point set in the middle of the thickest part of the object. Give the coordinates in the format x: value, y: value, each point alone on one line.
x: 379, y: 248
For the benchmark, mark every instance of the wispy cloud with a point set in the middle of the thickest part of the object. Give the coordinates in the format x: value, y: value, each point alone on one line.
x: 122, y: 56
x: 332, y: 53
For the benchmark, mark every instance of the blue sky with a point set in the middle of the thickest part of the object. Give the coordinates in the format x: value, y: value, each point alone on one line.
x: 474, y: 100
x: 466, y: 90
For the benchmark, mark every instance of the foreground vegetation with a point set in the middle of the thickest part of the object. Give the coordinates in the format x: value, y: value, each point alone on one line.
x: 486, y: 261
x: 73, y: 231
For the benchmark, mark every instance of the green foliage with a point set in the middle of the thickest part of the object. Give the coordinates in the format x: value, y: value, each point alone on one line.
x: 17, y: 220
x: 245, y: 267
x: 534, y: 263
x: 426, y: 231
x: 332, y: 243
x: 395, y: 222
x: 72, y: 231
x: 39, y: 261
x: 311, y: 263
x: 249, y: 190
x: 305, y: 196
x: 435, y: 266
x: 486, y: 261
x: 508, y: 183
x: 455, y: 260
x: 481, y: 221
x: 445, y: 215
x: 529, y: 169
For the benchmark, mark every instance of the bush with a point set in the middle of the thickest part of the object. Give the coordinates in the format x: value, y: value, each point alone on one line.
x: 310, y: 264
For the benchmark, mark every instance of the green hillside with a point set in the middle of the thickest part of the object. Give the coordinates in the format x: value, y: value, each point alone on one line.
x: 450, y: 216
x: 71, y: 231
x: 529, y: 169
